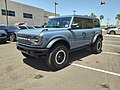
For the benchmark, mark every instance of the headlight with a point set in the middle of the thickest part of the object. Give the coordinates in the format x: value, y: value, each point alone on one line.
x: 35, y: 41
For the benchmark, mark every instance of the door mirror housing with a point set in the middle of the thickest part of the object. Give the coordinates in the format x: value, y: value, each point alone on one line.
x: 75, y: 26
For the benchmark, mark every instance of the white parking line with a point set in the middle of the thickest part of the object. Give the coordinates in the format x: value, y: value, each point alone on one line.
x: 111, y: 45
x: 111, y: 41
x: 117, y: 54
x: 112, y: 35
x: 94, y: 69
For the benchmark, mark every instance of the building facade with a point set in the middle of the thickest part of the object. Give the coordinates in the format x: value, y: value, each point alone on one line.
x: 18, y: 12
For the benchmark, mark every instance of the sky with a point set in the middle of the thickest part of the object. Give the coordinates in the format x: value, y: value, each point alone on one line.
x: 82, y: 7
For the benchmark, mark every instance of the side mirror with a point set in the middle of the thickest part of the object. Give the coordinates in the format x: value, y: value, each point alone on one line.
x: 75, y: 26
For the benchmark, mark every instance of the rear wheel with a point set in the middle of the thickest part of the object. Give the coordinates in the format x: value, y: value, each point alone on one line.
x: 112, y: 32
x: 97, y: 46
x: 12, y: 37
x: 58, y: 57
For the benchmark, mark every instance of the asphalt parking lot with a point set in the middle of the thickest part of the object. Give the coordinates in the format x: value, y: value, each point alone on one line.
x: 86, y: 71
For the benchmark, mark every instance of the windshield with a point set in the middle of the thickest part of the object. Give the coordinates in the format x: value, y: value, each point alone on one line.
x: 59, y: 22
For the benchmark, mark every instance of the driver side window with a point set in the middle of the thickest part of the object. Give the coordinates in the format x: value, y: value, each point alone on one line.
x: 78, y: 23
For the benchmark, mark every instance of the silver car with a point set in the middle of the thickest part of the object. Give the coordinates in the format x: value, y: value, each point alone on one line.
x: 113, y: 31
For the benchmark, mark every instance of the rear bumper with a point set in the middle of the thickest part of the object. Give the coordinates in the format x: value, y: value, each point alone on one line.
x: 32, y: 51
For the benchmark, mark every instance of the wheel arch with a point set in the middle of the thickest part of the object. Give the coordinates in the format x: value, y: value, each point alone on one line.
x: 96, y: 37
x: 58, y: 41
x: 112, y: 31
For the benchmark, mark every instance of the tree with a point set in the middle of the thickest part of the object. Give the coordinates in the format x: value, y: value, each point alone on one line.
x: 118, y: 19
x: 101, y: 17
x: 93, y: 15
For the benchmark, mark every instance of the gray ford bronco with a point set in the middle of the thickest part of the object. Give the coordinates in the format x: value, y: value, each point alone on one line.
x: 60, y: 36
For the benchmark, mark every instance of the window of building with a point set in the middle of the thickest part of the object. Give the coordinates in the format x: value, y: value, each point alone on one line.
x: 96, y: 23
x: 46, y: 16
x: 9, y: 12
x: 88, y: 23
x: 26, y: 15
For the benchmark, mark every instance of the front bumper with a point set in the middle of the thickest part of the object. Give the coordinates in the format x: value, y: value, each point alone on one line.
x: 32, y: 51
x: 3, y: 39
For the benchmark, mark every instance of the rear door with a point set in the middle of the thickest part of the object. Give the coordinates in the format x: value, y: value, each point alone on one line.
x: 89, y: 31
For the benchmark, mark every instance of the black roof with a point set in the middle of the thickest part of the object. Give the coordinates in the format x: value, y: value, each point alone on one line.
x: 82, y: 16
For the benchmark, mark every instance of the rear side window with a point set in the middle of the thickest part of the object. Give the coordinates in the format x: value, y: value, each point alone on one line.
x: 96, y: 23
x: 88, y: 23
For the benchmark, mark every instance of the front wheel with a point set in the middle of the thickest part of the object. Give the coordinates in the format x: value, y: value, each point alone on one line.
x: 58, y: 57
x: 12, y: 37
x: 97, y: 46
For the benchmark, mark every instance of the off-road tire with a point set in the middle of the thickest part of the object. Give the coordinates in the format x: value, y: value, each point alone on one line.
x: 58, y: 57
x: 97, y: 46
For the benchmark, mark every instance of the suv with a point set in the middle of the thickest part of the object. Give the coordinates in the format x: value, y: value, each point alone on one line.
x: 113, y: 31
x: 60, y: 36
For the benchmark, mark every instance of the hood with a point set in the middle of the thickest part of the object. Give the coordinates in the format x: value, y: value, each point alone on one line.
x: 3, y: 32
x: 36, y: 31
x: 31, y: 31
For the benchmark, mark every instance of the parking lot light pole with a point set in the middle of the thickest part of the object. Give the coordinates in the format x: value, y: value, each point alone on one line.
x: 55, y: 3
x: 74, y: 12
x: 6, y: 11
x: 108, y: 19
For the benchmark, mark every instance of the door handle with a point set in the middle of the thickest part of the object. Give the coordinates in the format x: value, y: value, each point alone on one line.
x: 93, y: 32
x: 84, y: 35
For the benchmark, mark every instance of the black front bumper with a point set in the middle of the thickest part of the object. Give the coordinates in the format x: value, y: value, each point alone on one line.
x: 32, y: 51
x: 3, y: 39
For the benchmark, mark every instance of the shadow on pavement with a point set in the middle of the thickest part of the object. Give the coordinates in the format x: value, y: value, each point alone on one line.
x: 1, y: 43
x: 40, y: 64
x: 36, y: 63
x: 78, y: 55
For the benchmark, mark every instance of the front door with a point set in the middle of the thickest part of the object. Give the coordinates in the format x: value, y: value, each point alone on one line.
x: 82, y: 32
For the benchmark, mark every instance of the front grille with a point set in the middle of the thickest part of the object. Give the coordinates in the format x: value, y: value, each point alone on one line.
x: 2, y: 35
x: 24, y: 39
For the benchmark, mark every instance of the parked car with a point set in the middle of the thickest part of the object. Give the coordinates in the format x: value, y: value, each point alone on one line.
x: 23, y: 27
x: 109, y: 28
x: 11, y: 30
x: 3, y: 36
x: 60, y: 36
x: 113, y: 31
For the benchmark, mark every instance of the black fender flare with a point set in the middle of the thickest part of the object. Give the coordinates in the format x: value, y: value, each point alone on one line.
x: 96, y: 37
x: 54, y: 41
